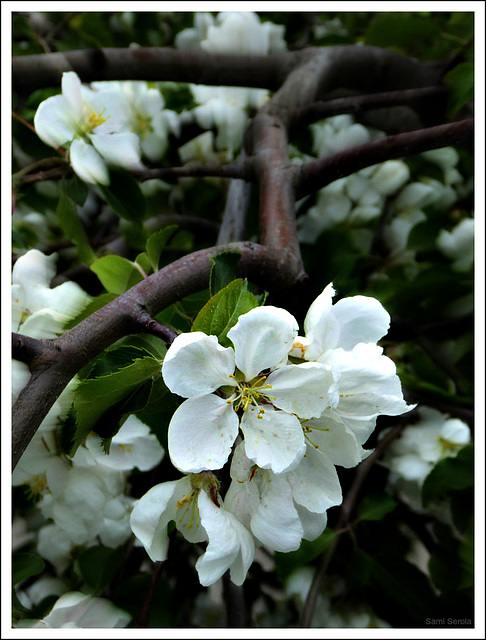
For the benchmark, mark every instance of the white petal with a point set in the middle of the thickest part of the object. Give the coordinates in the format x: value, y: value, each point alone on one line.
x: 201, y: 434
x: 87, y: 163
x: 150, y: 517
x: 360, y: 319
x: 242, y: 500
x: 120, y: 149
x: 187, y: 516
x: 71, y: 91
x: 313, y: 524
x: 368, y: 384
x: 54, y: 121
x: 337, y: 440
x: 320, y: 325
x: 33, y: 272
x: 196, y: 365
x: 275, y: 441
x: 276, y: 522
x: 262, y: 338
x: 230, y: 544
x: 315, y: 483
x: 305, y: 389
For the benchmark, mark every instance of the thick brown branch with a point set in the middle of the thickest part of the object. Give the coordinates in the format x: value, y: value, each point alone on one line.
x: 316, y: 175
x: 150, y: 63
x: 270, y: 268
x: 28, y: 350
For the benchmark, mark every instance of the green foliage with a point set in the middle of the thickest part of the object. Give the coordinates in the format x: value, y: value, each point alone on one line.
x: 460, y: 81
x: 116, y: 387
x: 98, y: 566
x: 400, y: 31
x: 223, y: 310
x: 375, y: 506
x: 156, y: 243
x: 125, y: 196
x: 223, y: 270
x: 116, y: 274
x: 448, y: 475
x: 308, y: 551
x: 26, y: 565
x: 71, y: 225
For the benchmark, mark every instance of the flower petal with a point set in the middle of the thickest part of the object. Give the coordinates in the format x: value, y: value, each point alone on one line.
x: 313, y: 524
x: 305, y: 389
x: 54, y: 121
x: 120, y: 149
x: 276, y: 522
x: 201, y: 434
x: 336, y: 439
x: 262, y: 338
x: 87, y: 163
x: 320, y: 325
x: 315, y: 483
x: 150, y: 517
x: 360, y: 319
x: 196, y: 365
x: 275, y: 440
x: 230, y: 545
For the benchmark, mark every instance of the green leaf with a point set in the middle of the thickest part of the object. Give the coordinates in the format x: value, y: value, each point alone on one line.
x: 287, y: 562
x: 99, y: 565
x: 96, y: 396
x: 223, y: 270
x: 124, y: 196
x: 95, y: 304
x: 223, y: 310
x: 77, y: 190
x: 70, y: 223
x: 157, y: 242
x: 397, y: 30
x: 116, y: 274
x: 25, y: 565
x: 460, y: 81
x: 450, y: 474
x: 375, y: 506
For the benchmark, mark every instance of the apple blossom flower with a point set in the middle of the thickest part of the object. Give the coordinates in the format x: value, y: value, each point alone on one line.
x: 343, y: 336
x: 281, y: 509
x: 133, y: 446
x: 421, y: 445
x: 146, y: 117
x: 93, y: 125
x: 37, y: 310
x: 458, y: 244
x: 195, y: 506
x: 76, y: 610
x: 248, y: 386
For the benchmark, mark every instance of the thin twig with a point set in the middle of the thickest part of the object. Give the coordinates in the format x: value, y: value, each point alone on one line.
x: 143, y: 616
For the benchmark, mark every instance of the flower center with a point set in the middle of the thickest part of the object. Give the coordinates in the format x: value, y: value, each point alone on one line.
x: 92, y: 121
x: 253, y: 393
x: 37, y: 486
x: 447, y: 446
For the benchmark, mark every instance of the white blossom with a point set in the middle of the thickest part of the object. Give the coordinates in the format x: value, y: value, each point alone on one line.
x: 281, y: 509
x: 412, y: 456
x: 37, y: 310
x: 458, y: 244
x: 196, y: 508
x: 76, y: 610
x: 92, y: 125
x: 257, y: 391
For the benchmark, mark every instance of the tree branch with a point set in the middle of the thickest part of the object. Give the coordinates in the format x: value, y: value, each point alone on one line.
x: 54, y: 367
x: 150, y: 63
x: 316, y: 175
x: 355, y: 104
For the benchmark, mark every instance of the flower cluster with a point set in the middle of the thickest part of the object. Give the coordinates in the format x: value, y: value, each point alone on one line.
x: 288, y: 409
x: 83, y: 497
x: 225, y: 108
x: 412, y: 456
x: 107, y: 124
